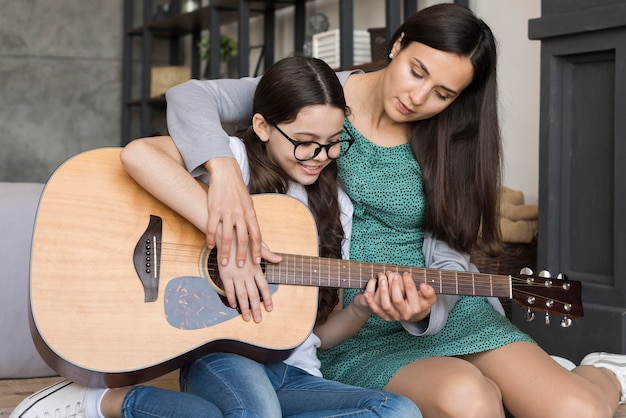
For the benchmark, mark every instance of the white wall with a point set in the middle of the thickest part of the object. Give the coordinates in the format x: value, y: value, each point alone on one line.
x: 518, y: 78
x: 519, y: 67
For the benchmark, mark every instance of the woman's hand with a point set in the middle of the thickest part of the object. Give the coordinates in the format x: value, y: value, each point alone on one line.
x: 394, y: 297
x: 231, y: 217
x: 231, y: 207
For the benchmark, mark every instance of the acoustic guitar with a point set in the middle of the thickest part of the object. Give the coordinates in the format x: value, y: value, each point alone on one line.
x: 123, y: 289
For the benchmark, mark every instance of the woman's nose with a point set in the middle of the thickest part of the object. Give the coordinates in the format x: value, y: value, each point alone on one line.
x: 419, y: 94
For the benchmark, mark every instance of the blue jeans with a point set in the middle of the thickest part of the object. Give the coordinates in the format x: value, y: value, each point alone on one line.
x: 241, y: 387
x: 152, y: 402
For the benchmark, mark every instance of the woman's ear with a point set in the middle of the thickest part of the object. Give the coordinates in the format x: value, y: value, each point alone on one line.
x: 261, y: 127
x: 397, y: 45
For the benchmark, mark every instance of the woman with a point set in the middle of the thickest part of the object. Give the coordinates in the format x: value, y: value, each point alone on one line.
x: 427, y: 157
x: 301, y: 98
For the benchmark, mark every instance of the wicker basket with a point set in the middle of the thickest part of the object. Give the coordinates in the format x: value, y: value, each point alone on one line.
x: 378, y: 43
x: 513, y: 258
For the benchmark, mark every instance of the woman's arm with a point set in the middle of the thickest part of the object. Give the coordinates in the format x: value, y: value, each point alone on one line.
x: 439, y: 255
x: 195, y: 113
x: 157, y: 166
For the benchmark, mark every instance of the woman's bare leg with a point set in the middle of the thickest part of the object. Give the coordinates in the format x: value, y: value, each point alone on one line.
x: 448, y: 387
x: 534, y: 385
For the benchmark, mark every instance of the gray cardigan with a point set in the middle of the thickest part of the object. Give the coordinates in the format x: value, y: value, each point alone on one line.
x: 196, y: 110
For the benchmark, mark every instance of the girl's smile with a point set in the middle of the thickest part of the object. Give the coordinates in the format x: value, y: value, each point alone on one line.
x: 322, y: 124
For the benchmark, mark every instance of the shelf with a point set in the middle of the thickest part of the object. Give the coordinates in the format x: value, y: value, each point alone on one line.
x: 155, y: 101
x: 186, y: 23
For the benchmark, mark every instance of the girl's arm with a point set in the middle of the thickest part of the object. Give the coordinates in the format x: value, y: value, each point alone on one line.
x: 343, y: 323
x: 157, y: 166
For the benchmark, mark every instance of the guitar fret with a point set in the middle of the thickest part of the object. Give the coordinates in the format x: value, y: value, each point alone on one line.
x: 329, y: 272
x: 441, y: 283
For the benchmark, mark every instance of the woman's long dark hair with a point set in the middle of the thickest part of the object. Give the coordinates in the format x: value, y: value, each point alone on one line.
x: 286, y: 87
x: 459, y: 150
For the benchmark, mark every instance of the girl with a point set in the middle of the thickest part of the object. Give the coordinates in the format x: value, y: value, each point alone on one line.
x: 290, y: 148
x: 427, y: 157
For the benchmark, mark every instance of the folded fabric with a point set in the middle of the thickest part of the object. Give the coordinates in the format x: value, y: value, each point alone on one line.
x: 514, y: 197
x: 518, y: 231
x: 518, y: 212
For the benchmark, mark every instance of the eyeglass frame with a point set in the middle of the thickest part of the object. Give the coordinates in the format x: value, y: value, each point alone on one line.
x: 319, y: 146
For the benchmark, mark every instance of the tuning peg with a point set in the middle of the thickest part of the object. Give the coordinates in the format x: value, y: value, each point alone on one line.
x: 563, y: 277
x: 526, y: 271
x: 547, y: 319
x: 530, y: 315
x: 566, y: 322
x: 545, y: 273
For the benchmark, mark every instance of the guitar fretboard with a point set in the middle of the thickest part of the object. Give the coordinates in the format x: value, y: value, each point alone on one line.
x: 347, y: 274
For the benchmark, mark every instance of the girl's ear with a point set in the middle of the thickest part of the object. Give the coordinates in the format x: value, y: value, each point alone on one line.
x: 261, y: 127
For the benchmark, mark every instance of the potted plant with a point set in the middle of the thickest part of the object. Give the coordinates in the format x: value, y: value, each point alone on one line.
x: 228, y: 50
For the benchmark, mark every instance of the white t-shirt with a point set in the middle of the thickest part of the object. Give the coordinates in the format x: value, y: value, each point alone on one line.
x: 305, y: 356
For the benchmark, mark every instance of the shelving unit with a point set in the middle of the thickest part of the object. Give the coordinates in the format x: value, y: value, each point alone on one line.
x: 174, y: 28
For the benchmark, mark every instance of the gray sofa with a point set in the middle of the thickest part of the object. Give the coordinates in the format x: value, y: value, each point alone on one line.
x: 18, y: 356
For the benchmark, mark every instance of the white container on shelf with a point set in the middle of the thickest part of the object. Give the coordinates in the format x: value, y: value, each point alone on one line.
x: 326, y: 46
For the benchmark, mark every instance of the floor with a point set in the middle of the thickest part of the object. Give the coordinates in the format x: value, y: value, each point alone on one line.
x: 12, y: 392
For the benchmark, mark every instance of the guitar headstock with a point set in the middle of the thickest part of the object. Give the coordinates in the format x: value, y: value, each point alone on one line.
x: 550, y: 295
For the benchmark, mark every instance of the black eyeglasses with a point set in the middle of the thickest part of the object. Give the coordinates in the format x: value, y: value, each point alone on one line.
x: 307, y: 150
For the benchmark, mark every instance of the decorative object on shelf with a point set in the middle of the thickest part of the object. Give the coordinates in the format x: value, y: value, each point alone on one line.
x: 318, y: 23
x: 228, y: 48
x: 378, y: 43
x: 326, y: 46
x: 162, y: 78
x: 166, y: 10
x: 189, y: 6
x: 228, y: 51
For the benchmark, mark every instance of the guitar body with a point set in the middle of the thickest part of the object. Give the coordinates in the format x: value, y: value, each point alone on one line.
x: 89, y: 317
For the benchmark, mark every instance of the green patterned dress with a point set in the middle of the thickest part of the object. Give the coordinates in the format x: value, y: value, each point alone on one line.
x: 385, y: 185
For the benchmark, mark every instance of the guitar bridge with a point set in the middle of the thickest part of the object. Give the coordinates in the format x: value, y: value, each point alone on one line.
x: 146, y: 258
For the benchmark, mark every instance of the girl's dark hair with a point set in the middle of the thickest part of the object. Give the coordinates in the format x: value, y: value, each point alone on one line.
x: 287, y: 87
x: 459, y: 150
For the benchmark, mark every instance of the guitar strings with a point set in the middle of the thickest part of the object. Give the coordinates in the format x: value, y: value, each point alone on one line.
x: 481, y: 282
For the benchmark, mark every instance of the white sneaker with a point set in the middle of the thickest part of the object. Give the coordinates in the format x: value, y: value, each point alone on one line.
x: 567, y: 364
x: 61, y: 400
x: 614, y: 362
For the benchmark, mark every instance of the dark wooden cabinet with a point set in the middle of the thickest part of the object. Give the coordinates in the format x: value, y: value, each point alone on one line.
x: 582, y: 192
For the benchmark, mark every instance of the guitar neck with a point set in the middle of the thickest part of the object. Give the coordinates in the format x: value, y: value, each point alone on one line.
x: 347, y: 274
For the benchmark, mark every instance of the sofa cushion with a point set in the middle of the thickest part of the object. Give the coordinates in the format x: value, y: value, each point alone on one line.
x: 18, y: 206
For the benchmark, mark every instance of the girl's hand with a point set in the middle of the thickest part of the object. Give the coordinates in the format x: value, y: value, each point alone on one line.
x: 246, y: 287
x: 394, y: 297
